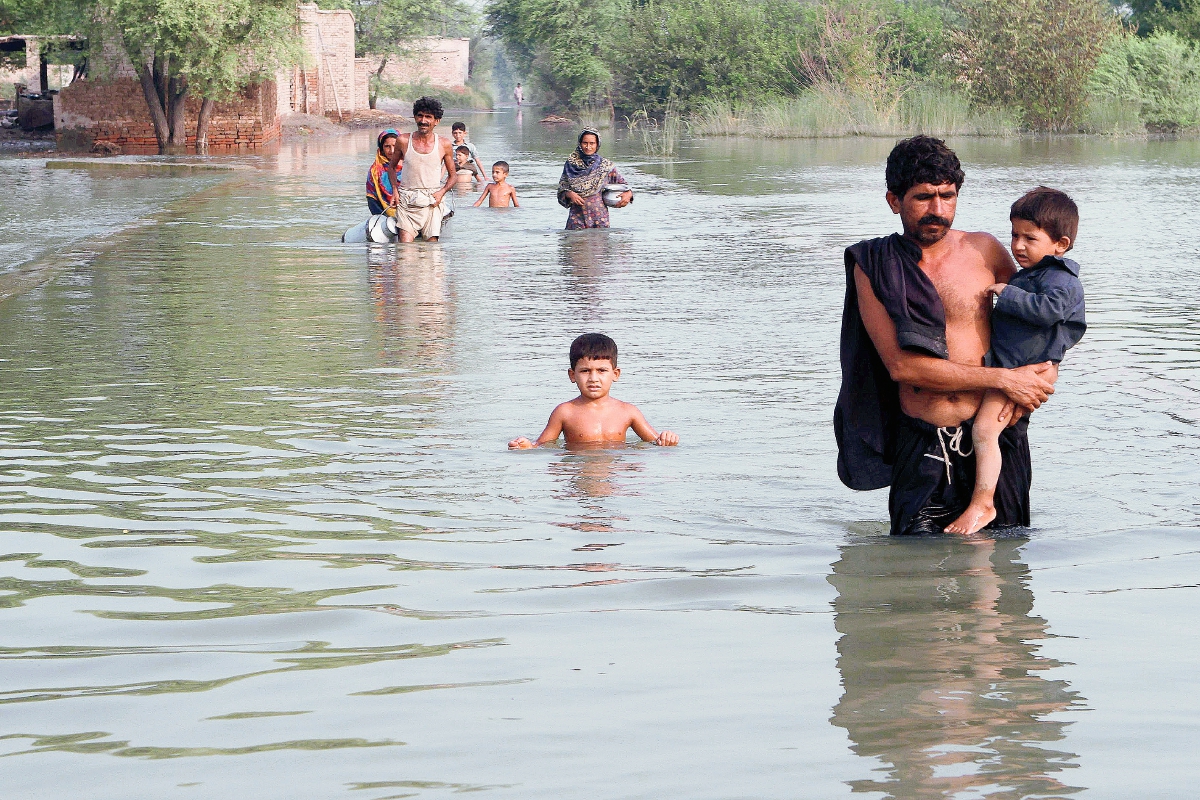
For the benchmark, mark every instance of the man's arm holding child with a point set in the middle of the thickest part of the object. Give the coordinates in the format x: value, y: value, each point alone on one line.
x: 647, y: 434
x: 1028, y: 386
x: 553, y: 429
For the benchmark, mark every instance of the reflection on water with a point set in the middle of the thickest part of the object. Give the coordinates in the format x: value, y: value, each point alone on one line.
x: 941, y: 672
x: 413, y: 303
x: 590, y: 475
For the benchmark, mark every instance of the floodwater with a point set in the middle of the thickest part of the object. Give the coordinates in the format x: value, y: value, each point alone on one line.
x: 260, y: 535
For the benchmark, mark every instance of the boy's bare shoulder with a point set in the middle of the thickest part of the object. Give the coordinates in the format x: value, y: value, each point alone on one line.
x: 628, y: 408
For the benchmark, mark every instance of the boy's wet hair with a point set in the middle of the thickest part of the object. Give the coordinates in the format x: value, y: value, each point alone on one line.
x: 1051, y: 210
x: 428, y: 105
x: 458, y: 126
x: 462, y: 148
x: 502, y: 165
x: 922, y: 159
x: 595, y: 346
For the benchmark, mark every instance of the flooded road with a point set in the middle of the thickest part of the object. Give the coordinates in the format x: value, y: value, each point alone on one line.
x: 260, y: 535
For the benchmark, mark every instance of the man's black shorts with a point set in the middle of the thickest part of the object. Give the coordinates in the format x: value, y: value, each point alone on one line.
x: 933, y: 476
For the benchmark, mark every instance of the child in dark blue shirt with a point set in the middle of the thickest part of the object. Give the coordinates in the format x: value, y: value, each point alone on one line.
x: 1037, y: 316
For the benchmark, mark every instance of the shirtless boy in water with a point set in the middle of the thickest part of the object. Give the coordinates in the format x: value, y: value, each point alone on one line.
x: 595, y: 417
x: 499, y: 193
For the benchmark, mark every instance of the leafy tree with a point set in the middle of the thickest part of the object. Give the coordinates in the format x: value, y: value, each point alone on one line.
x: 1170, y: 16
x: 387, y: 28
x: 210, y: 47
x: 677, y: 51
x: 875, y: 48
x: 1034, y: 56
x: 564, y: 46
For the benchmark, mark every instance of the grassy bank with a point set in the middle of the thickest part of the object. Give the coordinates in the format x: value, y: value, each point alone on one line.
x: 469, y: 98
x: 832, y: 111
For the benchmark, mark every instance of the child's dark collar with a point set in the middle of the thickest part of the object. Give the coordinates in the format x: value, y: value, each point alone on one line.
x: 1058, y: 261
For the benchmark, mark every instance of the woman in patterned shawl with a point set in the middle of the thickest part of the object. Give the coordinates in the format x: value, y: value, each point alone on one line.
x: 379, y: 186
x: 581, y: 187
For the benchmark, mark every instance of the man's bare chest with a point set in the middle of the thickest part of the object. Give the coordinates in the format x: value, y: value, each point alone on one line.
x: 963, y: 292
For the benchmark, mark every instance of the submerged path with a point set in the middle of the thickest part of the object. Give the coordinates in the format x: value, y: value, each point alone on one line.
x: 260, y: 534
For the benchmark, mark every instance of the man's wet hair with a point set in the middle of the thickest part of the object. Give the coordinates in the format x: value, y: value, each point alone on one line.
x: 922, y: 159
x: 462, y: 148
x: 428, y: 105
x: 458, y: 126
x: 504, y: 166
x: 595, y: 346
x: 1051, y: 210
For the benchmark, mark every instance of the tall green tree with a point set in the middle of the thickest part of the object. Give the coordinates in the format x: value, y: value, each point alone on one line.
x: 388, y: 29
x: 564, y: 46
x: 208, y: 48
x: 1167, y: 16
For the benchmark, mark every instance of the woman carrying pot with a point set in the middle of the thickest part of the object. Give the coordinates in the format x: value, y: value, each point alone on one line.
x: 582, y: 185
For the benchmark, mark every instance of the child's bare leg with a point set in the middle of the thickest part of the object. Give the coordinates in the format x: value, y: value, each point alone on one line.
x: 985, y: 436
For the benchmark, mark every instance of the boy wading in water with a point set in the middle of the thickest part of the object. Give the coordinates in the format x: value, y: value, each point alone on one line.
x: 499, y: 192
x: 1037, y: 317
x: 595, y: 417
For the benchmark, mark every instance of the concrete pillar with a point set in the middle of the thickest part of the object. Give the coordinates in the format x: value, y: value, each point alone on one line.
x: 35, y: 67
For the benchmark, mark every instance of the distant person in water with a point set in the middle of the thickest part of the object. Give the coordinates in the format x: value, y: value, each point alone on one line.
x: 519, y: 95
x: 468, y: 170
x: 380, y: 196
x: 419, y: 201
x: 595, y: 417
x: 499, y: 193
x: 1037, y: 317
x: 581, y: 187
x: 915, y: 330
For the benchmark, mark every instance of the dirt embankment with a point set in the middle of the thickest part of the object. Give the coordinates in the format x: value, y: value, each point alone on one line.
x: 310, y: 125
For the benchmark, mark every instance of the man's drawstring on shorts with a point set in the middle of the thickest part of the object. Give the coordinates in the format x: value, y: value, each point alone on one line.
x: 952, y: 443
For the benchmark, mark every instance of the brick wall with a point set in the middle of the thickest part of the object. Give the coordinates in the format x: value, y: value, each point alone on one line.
x: 364, y: 68
x: 440, y: 62
x: 92, y: 111
x: 328, y: 83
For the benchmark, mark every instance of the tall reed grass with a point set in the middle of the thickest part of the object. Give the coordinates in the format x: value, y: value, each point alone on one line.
x: 660, y: 137
x: 828, y: 110
x: 596, y: 117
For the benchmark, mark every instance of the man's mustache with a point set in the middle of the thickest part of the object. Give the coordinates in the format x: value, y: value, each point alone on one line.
x: 934, y: 219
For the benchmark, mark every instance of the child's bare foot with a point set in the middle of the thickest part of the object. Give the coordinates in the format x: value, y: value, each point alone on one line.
x: 975, y: 518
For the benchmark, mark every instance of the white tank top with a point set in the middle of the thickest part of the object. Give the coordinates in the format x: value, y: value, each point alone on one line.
x: 423, y: 170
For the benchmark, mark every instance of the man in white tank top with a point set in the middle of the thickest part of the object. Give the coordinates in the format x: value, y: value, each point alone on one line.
x: 426, y: 157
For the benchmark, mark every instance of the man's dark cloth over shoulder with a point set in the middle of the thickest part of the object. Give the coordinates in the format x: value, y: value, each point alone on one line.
x: 1039, y: 315
x: 868, y: 405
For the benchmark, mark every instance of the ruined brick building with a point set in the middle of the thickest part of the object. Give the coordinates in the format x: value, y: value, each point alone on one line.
x: 330, y: 82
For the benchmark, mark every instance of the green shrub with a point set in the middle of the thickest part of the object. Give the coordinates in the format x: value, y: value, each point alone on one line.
x: 1034, y: 56
x: 469, y: 98
x: 680, y: 50
x: 1158, y: 75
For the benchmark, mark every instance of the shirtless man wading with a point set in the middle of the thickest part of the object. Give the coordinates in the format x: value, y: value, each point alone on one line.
x: 419, y: 208
x: 915, y: 329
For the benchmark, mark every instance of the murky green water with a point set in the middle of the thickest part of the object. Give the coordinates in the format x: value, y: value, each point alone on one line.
x: 260, y: 535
